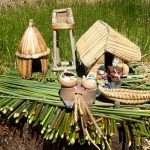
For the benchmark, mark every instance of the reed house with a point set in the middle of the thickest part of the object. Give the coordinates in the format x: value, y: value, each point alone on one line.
x: 32, y: 53
x: 101, y: 41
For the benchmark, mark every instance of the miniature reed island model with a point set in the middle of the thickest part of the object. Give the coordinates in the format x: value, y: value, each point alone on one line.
x: 72, y: 109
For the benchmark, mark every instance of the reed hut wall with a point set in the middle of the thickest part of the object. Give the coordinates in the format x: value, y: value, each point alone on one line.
x: 25, y: 67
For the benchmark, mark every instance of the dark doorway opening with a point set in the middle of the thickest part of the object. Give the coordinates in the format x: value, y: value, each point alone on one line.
x: 36, y: 65
x: 108, y: 59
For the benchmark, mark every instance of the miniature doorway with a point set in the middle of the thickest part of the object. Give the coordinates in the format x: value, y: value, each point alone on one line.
x: 36, y: 65
x: 108, y: 59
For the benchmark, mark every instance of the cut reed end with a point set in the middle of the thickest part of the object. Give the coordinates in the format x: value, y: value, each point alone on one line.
x: 31, y: 23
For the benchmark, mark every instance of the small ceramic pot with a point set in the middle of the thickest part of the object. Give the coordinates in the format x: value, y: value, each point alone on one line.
x: 67, y: 79
x: 89, y: 82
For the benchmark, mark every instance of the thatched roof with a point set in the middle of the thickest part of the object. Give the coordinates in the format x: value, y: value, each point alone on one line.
x: 32, y: 44
x: 101, y: 38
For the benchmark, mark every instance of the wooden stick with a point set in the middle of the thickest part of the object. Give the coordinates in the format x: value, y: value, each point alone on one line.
x: 75, y: 109
x: 73, y: 47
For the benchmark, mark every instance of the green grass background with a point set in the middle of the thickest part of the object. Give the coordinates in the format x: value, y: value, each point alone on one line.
x: 130, y: 17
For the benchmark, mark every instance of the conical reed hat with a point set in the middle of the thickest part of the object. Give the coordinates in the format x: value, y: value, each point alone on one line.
x: 32, y: 44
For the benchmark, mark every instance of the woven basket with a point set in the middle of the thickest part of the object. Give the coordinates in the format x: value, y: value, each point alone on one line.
x: 126, y: 96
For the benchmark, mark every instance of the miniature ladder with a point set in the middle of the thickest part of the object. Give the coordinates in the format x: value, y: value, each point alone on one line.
x: 63, y: 19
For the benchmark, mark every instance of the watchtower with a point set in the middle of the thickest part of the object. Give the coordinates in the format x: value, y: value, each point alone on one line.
x: 62, y: 19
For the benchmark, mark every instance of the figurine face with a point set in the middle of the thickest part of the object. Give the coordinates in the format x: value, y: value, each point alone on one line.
x: 115, y: 63
x: 101, y: 72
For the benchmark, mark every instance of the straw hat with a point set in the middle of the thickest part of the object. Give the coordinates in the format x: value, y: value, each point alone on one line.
x: 32, y: 44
